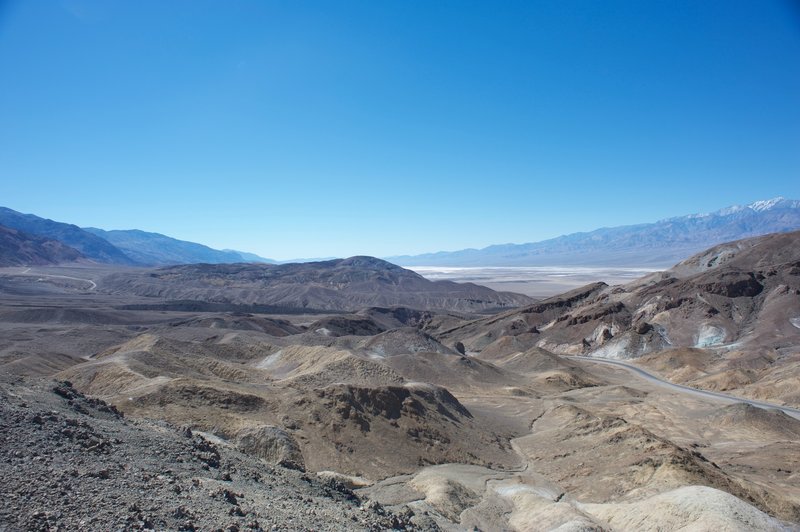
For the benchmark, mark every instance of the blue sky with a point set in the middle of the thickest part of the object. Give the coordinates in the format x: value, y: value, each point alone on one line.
x: 300, y: 129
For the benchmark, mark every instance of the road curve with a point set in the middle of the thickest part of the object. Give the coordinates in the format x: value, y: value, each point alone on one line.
x: 92, y: 284
x: 27, y: 271
x: 793, y: 412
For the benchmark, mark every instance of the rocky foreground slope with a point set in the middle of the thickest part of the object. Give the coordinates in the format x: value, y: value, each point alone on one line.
x: 70, y: 462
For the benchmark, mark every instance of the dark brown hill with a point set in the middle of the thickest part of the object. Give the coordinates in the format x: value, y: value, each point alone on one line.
x: 18, y: 248
x: 737, y: 305
x: 729, y: 293
x: 91, y: 246
x: 342, y: 284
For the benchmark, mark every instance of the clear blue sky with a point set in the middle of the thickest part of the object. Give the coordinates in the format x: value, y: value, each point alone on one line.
x: 299, y: 129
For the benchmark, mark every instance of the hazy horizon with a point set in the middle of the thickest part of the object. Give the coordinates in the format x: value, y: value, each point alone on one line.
x: 315, y: 130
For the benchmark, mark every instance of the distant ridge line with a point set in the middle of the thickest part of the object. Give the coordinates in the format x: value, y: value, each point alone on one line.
x: 657, y: 245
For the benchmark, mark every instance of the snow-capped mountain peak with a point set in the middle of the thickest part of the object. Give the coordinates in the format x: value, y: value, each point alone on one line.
x: 765, y: 205
x: 660, y: 243
x: 759, y: 206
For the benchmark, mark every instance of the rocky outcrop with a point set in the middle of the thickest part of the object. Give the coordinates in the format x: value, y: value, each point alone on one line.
x: 272, y: 444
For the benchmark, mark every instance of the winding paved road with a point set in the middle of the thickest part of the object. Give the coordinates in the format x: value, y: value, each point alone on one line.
x: 92, y: 284
x: 794, y: 412
x: 27, y: 271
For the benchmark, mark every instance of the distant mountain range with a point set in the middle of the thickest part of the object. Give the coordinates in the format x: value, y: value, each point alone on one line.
x: 157, y: 249
x: 91, y: 246
x: 654, y: 245
x: 130, y: 247
x: 658, y: 244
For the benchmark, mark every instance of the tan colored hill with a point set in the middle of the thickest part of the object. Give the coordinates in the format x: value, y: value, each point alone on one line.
x: 335, y: 405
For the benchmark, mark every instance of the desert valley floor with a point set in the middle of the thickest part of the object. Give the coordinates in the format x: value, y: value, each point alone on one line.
x: 171, y: 408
